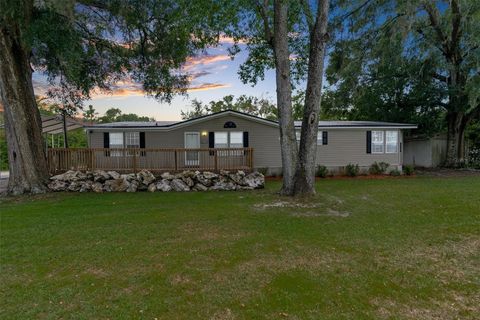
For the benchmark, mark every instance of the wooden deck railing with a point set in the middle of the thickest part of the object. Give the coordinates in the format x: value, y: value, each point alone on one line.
x: 155, y: 160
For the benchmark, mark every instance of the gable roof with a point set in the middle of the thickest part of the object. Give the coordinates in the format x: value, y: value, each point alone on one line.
x: 169, y: 125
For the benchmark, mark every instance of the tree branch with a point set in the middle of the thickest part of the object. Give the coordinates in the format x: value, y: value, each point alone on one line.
x: 440, y: 77
x: 456, y: 21
x: 262, y: 10
x: 433, y: 16
x: 308, y: 14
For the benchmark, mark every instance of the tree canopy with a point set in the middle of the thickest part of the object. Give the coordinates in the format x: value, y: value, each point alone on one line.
x: 90, y: 45
x: 260, y: 107
x: 415, y: 59
x: 116, y: 115
x: 84, y: 45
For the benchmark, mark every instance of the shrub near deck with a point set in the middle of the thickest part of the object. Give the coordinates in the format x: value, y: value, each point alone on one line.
x: 360, y: 249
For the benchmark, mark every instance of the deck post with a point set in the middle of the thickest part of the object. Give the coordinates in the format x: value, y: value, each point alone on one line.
x: 92, y: 163
x: 135, y: 160
x: 251, y: 158
x: 176, y: 160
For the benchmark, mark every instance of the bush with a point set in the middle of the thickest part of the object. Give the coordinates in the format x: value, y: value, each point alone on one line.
x: 378, y: 168
x: 395, y: 172
x: 408, y: 170
x: 352, y: 170
x: 322, y: 171
x: 263, y: 170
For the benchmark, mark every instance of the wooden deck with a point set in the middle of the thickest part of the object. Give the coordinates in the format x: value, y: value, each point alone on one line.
x: 156, y: 160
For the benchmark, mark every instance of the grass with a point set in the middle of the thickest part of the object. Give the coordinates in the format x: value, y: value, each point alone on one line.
x: 360, y: 249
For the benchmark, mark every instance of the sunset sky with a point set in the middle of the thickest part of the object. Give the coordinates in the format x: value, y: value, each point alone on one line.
x: 214, y: 76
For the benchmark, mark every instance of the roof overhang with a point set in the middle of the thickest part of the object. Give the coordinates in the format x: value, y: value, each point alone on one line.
x: 409, y: 126
x: 186, y: 123
x: 220, y: 114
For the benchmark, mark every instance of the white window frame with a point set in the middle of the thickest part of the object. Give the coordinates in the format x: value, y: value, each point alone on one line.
x: 132, y: 136
x: 391, y: 144
x: 298, y: 134
x: 196, y: 156
x: 116, y: 153
x: 230, y: 143
x: 320, y: 138
x: 224, y: 145
x: 379, y: 143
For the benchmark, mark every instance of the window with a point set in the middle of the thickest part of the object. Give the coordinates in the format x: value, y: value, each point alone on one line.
x: 392, y: 141
x: 236, y: 139
x: 233, y: 139
x: 229, y: 124
x: 116, y: 141
x: 221, y: 139
x: 132, y: 139
x: 319, y: 138
x: 377, y: 141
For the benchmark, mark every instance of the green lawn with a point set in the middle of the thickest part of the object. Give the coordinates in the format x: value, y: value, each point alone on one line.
x: 361, y: 249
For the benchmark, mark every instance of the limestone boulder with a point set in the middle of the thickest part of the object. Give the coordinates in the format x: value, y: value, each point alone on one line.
x: 167, y: 176
x: 164, y: 185
x: 57, y: 185
x: 145, y: 177
x: 179, y: 185
x: 97, y: 187
x: 152, y: 187
x: 117, y: 185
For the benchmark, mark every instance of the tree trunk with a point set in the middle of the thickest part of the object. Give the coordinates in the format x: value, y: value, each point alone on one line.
x: 304, y: 181
x: 288, y: 144
x: 457, y: 123
x: 28, y: 167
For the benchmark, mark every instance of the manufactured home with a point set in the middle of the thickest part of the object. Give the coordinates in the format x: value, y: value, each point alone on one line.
x: 231, y: 140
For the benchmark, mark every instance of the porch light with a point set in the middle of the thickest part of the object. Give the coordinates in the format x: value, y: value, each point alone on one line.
x: 204, y: 133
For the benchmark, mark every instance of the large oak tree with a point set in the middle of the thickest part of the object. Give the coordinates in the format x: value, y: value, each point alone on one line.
x: 437, y: 41
x: 85, y: 45
x: 290, y: 37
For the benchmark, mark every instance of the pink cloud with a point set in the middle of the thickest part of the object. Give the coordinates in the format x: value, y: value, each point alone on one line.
x: 208, y: 86
x: 229, y: 40
x: 204, y: 60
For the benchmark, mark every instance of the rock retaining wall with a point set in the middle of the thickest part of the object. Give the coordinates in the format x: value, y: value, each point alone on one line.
x: 112, y: 181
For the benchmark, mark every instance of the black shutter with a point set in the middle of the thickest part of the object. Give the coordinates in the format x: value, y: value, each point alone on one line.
x: 369, y: 141
x: 106, y: 143
x: 245, y: 139
x: 142, y: 143
x: 211, y: 141
x: 324, y: 137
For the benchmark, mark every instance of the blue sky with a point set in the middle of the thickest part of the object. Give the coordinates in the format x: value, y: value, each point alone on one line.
x: 214, y: 76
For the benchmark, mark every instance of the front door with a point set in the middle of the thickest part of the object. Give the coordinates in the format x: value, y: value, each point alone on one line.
x: 192, y: 141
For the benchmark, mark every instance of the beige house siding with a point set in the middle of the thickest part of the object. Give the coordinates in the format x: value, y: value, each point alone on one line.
x: 345, y: 145
x: 350, y: 146
x: 263, y: 138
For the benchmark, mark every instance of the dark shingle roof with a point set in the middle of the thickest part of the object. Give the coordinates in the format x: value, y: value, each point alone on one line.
x: 350, y: 124
x: 321, y: 124
x: 134, y: 124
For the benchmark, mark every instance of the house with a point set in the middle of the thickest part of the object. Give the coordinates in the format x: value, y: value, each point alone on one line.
x: 235, y: 140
